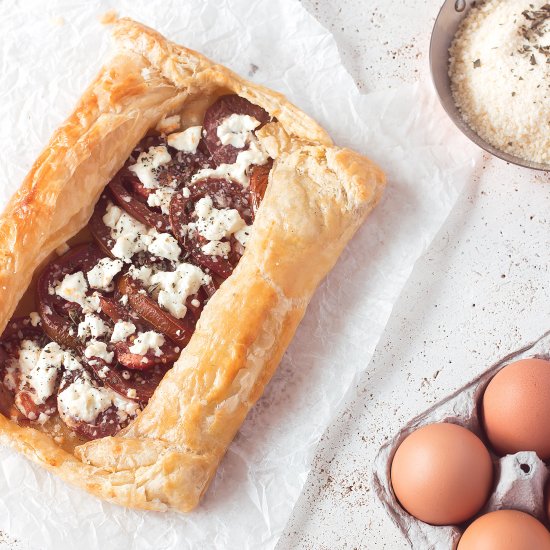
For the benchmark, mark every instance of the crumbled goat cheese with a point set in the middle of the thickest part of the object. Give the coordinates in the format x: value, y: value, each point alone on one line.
x: 20, y: 373
x: 125, y: 408
x: 70, y: 362
x: 43, y: 377
x: 148, y: 164
x: 243, y: 234
x: 35, y: 318
x: 236, y: 130
x: 84, y: 401
x: 29, y: 353
x: 112, y: 217
x: 238, y: 171
x: 103, y: 371
x: 146, y: 341
x: 186, y: 141
x: 161, y: 199
x: 92, y: 326
x: 172, y: 288
x: 142, y: 273
x: 165, y: 246
x: 38, y: 369
x: 132, y: 237
x: 215, y: 224
x: 216, y: 248
x: 73, y: 288
x: 122, y: 330
x: 94, y: 303
x: 101, y: 276
x: 99, y: 350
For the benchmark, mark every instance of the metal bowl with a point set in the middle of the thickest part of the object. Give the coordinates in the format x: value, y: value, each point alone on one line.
x: 445, y: 28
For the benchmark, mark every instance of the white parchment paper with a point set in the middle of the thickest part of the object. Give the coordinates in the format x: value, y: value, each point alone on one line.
x: 48, y: 54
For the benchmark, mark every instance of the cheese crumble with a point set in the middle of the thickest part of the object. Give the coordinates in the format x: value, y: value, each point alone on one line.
x: 236, y: 130
x: 239, y: 170
x: 132, y: 237
x: 146, y: 341
x: 74, y: 288
x: 216, y: 224
x: 148, y: 165
x: 172, y: 288
x: 186, y: 141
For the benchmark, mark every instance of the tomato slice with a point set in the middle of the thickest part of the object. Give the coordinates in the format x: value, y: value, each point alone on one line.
x: 178, y: 171
x: 6, y: 396
x: 8, y: 408
x: 100, y: 232
x: 107, y: 423
x: 222, y: 108
x: 112, y: 307
x: 135, y: 361
x: 20, y: 328
x: 19, y: 404
x: 30, y: 410
x: 224, y: 194
x: 131, y: 196
x: 178, y: 330
x: 127, y: 381
x: 259, y: 177
x: 60, y: 318
x: 170, y: 350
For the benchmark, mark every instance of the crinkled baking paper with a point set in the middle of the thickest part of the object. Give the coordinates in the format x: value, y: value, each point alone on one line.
x: 49, y: 52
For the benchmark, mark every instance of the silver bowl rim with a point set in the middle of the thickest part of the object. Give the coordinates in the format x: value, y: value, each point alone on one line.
x: 456, y: 116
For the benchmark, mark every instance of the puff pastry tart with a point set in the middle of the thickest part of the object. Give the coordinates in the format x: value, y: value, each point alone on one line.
x: 155, y: 264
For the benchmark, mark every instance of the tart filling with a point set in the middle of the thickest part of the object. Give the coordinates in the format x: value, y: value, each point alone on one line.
x: 113, y: 315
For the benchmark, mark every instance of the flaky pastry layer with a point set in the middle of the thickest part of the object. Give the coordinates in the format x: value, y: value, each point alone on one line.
x: 318, y: 195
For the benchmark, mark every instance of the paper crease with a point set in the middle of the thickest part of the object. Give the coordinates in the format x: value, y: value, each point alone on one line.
x: 45, y: 68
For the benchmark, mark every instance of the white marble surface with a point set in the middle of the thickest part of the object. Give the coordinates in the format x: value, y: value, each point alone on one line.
x: 480, y: 292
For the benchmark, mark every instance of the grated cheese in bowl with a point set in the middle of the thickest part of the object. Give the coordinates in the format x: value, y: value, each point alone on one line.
x: 500, y: 75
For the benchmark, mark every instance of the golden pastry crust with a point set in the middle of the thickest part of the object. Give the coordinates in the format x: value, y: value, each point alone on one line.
x: 317, y: 197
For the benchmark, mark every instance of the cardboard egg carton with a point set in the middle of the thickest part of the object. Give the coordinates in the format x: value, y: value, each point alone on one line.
x: 519, y: 479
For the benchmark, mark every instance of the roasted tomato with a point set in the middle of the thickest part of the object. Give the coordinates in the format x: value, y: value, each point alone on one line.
x: 259, y: 177
x: 106, y: 414
x: 178, y: 330
x: 60, y: 317
x: 224, y: 107
x: 132, y: 196
x: 225, y: 194
x: 17, y: 399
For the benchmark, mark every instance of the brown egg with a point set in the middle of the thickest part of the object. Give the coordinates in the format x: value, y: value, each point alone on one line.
x: 442, y: 474
x: 516, y: 408
x: 505, y: 530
